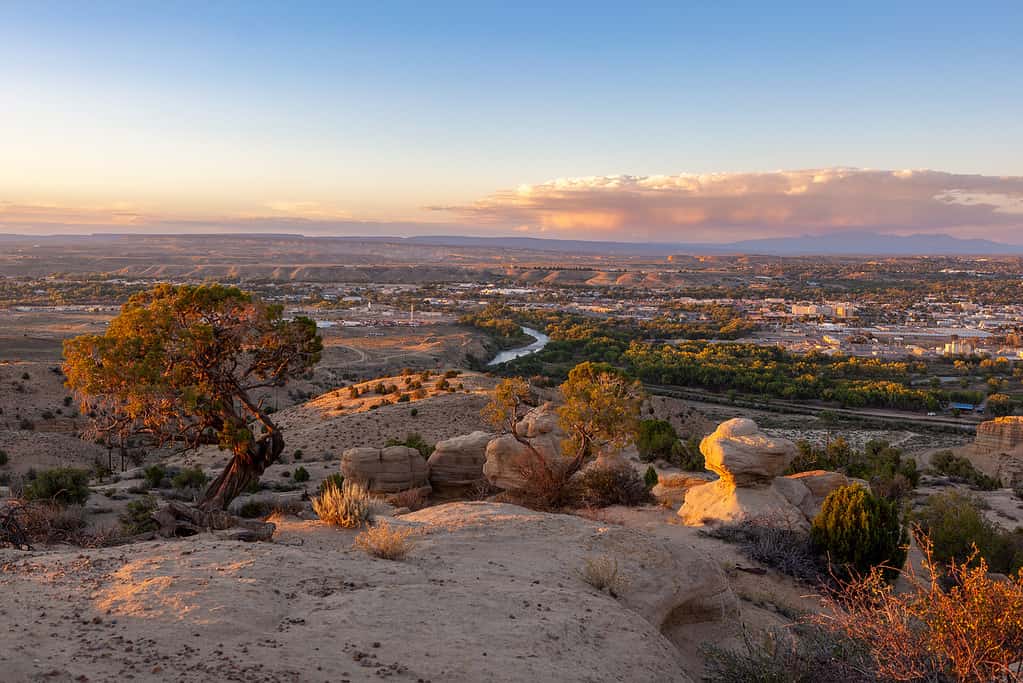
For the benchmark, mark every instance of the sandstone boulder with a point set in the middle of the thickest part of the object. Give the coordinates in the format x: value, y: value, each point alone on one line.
x: 386, y: 470
x: 749, y: 463
x: 739, y: 452
x: 458, y: 462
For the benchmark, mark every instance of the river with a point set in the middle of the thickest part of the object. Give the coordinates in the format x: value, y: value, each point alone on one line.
x: 540, y: 341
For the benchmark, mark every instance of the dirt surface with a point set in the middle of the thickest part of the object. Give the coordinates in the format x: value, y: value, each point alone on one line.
x: 489, y: 593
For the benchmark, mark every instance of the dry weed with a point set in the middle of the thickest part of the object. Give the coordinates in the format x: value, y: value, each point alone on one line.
x: 385, y: 541
x: 603, y: 574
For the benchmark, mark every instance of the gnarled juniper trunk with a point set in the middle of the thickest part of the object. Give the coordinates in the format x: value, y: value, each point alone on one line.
x: 245, y: 468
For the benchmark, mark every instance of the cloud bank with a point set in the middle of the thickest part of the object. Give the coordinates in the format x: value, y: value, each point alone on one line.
x: 720, y: 206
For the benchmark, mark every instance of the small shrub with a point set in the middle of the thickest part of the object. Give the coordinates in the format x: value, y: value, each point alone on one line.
x: 859, y: 531
x: 775, y: 546
x: 154, y: 476
x: 413, y: 412
x: 137, y: 517
x: 26, y: 424
x: 47, y: 415
x: 413, y: 499
x: 254, y: 508
x: 650, y: 477
x: 607, y: 485
x: 961, y: 534
x: 655, y: 439
x: 349, y: 506
x: 61, y: 485
x: 301, y: 474
x: 603, y: 574
x: 971, y: 632
x: 804, y: 654
x: 3, y: 457
x: 335, y: 480
x: 962, y: 470
x: 385, y: 541
x: 189, y: 478
x: 688, y: 456
x: 298, y: 454
x: 413, y: 440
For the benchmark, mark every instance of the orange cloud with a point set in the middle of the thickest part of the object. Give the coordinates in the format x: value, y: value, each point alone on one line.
x: 735, y: 205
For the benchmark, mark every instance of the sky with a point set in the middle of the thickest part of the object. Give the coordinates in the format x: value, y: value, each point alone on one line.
x: 685, y: 121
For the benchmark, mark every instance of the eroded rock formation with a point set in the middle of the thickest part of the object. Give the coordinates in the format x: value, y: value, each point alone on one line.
x: 749, y: 464
x: 998, y: 449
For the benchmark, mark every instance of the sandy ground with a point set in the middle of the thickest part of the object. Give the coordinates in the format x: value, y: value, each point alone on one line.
x: 489, y: 593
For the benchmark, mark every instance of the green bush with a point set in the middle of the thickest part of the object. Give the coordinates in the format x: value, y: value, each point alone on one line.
x: 63, y: 485
x: 650, y: 477
x: 189, y: 478
x: 137, y: 517
x: 962, y: 470
x: 688, y: 456
x: 298, y: 454
x: 335, y: 480
x: 254, y: 508
x: 154, y: 476
x: 301, y: 474
x: 3, y: 457
x: 959, y: 532
x: 858, y: 530
x: 891, y: 474
x: 656, y: 439
x: 415, y: 441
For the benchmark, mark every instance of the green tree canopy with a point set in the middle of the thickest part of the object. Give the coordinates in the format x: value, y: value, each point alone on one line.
x: 184, y: 364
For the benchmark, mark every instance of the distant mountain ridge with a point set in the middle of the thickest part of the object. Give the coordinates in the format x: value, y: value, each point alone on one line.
x: 840, y: 244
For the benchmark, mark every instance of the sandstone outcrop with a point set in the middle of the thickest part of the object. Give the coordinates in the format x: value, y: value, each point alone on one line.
x: 998, y: 449
x: 749, y: 464
x: 386, y: 470
x: 457, y: 463
x: 742, y: 454
x: 506, y: 456
x: 492, y: 593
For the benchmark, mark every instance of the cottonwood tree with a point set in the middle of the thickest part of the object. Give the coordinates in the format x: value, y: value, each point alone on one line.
x: 184, y: 365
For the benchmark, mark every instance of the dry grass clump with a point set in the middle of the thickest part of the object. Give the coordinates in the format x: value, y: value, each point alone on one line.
x: 385, y: 541
x: 603, y: 574
x: 43, y: 523
x: 348, y: 506
x: 971, y: 632
x: 413, y: 499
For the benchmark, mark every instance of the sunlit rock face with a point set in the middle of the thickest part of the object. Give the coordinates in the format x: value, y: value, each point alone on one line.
x: 738, y: 452
x: 749, y: 464
x: 998, y: 449
x: 386, y: 470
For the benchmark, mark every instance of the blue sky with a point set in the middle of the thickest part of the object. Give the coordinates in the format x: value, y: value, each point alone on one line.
x: 148, y: 113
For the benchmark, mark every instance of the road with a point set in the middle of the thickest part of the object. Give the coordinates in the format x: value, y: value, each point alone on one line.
x: 965, y: 424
